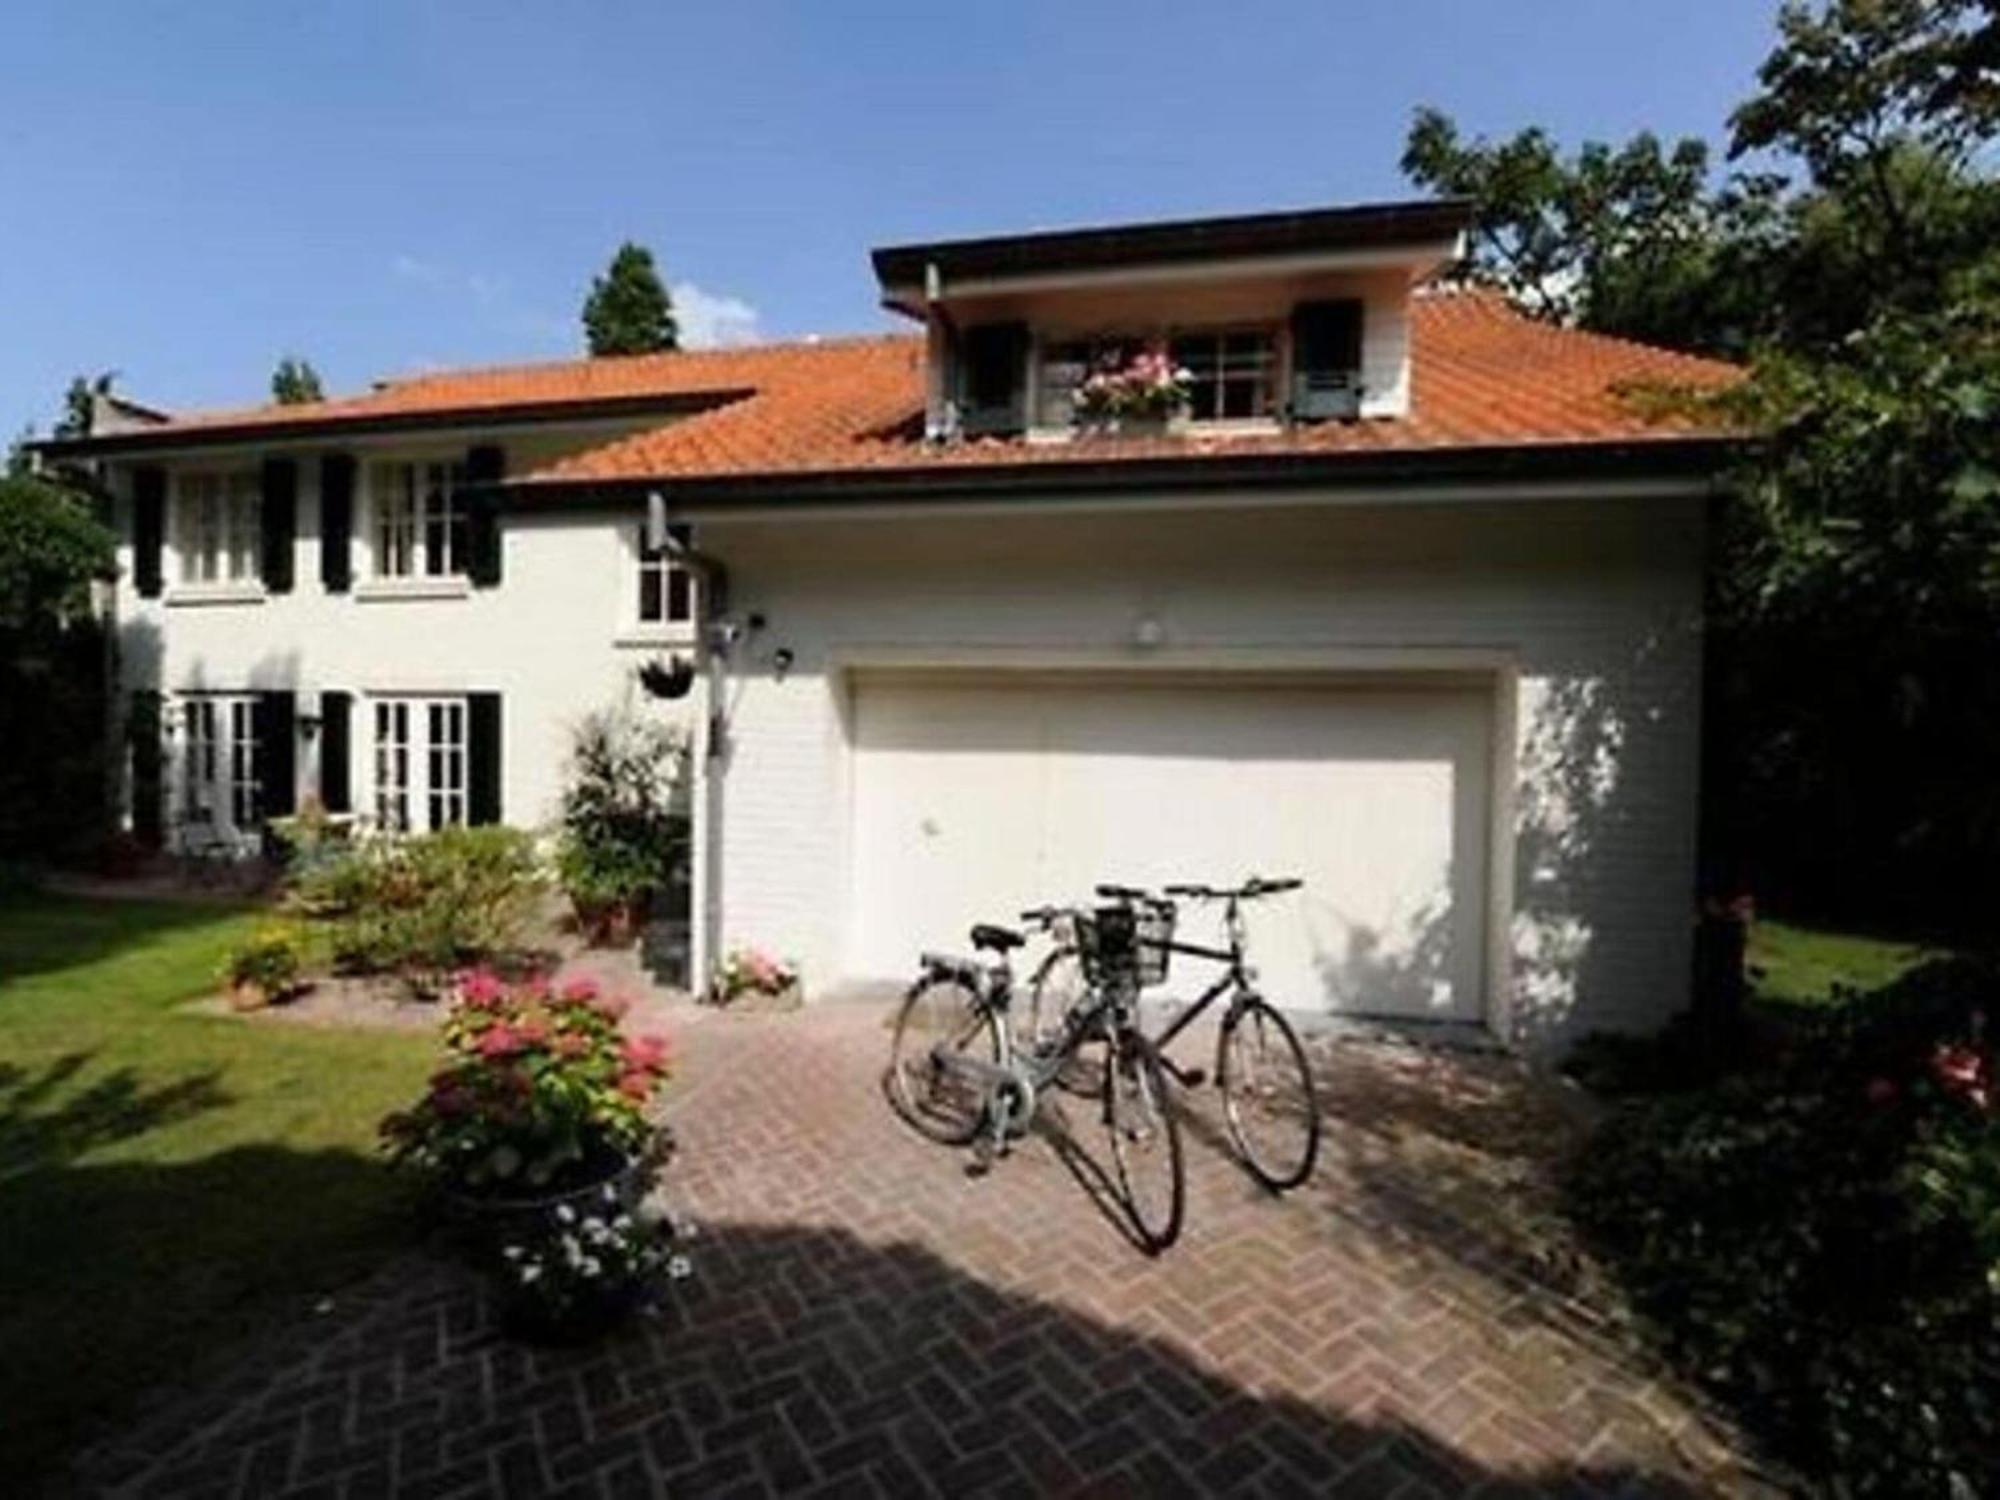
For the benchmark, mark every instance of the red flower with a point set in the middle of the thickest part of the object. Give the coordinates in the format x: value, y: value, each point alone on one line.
x: 500, y: 1040
x: 481, y: 989
x: 580, y: 990
x: 644, y: 1054
x: 532, y: 1032
x: 636, y: 1086
x: 1964, y: 1071
x: 569, y: 1044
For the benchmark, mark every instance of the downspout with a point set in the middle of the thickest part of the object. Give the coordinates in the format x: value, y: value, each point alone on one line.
x: 714, y: 636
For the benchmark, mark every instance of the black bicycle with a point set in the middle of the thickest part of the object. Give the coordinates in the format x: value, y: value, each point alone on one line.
x: 958, y: 1075
x: 1268, y: 1099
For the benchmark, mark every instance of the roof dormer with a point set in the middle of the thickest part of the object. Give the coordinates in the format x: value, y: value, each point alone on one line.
x: 1262, y: 321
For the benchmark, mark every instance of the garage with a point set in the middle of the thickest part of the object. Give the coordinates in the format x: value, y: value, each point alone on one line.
x: 975, y: 795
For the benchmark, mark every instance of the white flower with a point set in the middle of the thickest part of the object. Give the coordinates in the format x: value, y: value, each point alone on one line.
x: 590, y: 1265
x: 513, y: 1252
x: 530, y: 1274
x: 680, y: 1268
x: 565, y: 1213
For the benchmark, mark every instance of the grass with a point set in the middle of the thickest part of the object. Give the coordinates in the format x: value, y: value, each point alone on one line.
x: 1793, y: 965
x: 171, y: 1180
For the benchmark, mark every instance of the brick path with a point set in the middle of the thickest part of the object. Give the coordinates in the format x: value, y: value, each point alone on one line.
x: 867, y: 1320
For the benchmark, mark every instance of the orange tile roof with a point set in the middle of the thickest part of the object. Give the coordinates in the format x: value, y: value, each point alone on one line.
x: 1483, y: 375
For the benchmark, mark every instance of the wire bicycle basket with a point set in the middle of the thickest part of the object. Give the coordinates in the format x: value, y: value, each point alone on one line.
x: 1126, y: 943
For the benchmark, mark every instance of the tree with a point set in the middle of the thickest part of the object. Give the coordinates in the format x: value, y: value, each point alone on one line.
x: 295, y: 382
x: 1620, y: 239
x: 628, y: 310
x: 51, y: 548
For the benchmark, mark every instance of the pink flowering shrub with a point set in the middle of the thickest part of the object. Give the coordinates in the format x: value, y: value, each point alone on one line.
x: 1147, y: 384
x: 752, y: 971
x: 540, y: 1089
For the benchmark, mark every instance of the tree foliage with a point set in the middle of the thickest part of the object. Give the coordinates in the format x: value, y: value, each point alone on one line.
x: 295, y: 382
x: 51, y: 549
x: 80, y: 405
x: 1851, y: 259
x: 628, y: 310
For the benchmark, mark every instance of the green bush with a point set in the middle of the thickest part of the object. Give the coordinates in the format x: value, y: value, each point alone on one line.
x: 1820, y: 1240
x: 425, y: 905
x: 270, y: 959
x: 624, y: 838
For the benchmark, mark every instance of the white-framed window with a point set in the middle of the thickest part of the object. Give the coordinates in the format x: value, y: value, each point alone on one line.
x: 1235, y: 370
x: 665, y: 594
x: 420, y: 767
x: 1235, y: 373
x: 220, y: 790
x: 218, y: 526
x: 419, y: 516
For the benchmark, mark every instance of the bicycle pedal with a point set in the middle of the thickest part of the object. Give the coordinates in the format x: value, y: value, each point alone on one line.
x: 1194, y: 1078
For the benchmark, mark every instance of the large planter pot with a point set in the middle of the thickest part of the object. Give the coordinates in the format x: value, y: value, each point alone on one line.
x: 487, y: 1220
x: 609, y: 924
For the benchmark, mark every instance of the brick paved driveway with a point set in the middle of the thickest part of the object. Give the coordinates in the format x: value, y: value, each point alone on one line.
x: 866, y: 1319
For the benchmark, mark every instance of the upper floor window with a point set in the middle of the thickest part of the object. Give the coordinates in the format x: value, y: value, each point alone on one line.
x: 1234, y: 370
x: 217, y: 527
x: 666, y: 591
x: 420, y: 520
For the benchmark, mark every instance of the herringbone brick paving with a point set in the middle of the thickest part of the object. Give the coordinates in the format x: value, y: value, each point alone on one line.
x: 867, y: 1320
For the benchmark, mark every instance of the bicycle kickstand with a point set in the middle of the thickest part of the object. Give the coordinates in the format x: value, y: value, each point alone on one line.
x: 993, y: 1142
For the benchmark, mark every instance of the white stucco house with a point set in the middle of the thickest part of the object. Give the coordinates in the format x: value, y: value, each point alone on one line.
x: 1407, y: 603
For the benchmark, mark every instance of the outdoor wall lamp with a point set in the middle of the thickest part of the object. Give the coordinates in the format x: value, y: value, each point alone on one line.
x: 309, y: 725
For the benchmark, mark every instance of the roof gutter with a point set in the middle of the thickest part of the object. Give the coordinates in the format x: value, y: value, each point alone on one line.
x: 1695, y: 459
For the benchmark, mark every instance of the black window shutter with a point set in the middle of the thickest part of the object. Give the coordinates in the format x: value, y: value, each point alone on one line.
x: 149, y: 529
x: 482, y: 758
x: 1326, y: 337
x: 484, y: 468
x: 336, y: 793
x: 336, y: 522
x: 143, y: 733
x: 276, y: 758
x: 993, y: 375
x: 281, y: 522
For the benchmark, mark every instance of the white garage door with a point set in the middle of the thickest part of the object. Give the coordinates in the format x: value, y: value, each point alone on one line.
x: 975, y: 797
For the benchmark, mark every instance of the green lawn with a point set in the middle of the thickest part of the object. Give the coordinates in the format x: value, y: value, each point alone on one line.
x: 1802, y: 965
x: 168, y: 1181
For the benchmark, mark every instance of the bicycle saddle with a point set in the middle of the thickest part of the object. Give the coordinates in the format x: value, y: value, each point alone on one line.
x: 999, y: 939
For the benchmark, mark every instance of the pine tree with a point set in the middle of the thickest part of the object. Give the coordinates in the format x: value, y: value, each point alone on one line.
x: 295, y: 381
x: 628, y: 310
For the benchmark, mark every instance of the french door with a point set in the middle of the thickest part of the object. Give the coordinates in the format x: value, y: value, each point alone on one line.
x: 419, y: 763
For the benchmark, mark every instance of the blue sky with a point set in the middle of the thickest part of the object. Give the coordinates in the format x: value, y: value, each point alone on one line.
x: 193, y: 190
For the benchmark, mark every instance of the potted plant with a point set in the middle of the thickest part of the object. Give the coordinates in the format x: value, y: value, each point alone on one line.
x: 624, y: 826
x: 570, y: 1274
x: 1144, y: 394
x: 751, y: 972
x: 262, y: 968
x: 541, y: 1102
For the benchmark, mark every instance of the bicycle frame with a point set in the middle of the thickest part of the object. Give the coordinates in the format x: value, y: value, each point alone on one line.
x: 1236, y: 977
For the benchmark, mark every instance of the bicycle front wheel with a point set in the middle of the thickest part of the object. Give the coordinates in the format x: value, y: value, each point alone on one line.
x: 1058, y: 988
x: 1145, y: 1139
x: 940, y: 1019
x: 1267, y: 1096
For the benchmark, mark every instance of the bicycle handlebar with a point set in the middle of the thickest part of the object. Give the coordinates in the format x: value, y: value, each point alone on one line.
x: 1250, y: 890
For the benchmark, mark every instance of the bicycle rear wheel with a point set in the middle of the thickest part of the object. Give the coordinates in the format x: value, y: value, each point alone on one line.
x: 941, y: 1017
x: 1145, y: 1139
x: 1268, y: 1099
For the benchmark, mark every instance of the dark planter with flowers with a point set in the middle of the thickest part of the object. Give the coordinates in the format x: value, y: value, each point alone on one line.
x: 541, y: 1106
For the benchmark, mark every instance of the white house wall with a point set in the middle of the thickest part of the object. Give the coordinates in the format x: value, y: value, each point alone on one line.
x: 554, y: 638
x: 1581, y: 616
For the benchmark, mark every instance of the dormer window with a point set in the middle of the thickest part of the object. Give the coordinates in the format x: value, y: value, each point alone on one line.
x: 1235, y: 373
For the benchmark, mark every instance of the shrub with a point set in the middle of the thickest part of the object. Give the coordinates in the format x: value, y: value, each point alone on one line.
x: 428, y: 904
x: 1820, y: 1240
x: 540, y: 1091
x: 269, y: 960
x: 624, y: 837
x: 751, y: 971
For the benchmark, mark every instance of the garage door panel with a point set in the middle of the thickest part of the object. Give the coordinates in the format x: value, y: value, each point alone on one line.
x: 973, y: 800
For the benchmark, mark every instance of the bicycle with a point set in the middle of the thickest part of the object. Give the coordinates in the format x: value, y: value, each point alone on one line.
x: 958, y: 1076
x: 1268, y: 1099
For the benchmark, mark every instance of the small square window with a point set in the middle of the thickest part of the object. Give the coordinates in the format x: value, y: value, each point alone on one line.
x: 666, y: 589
